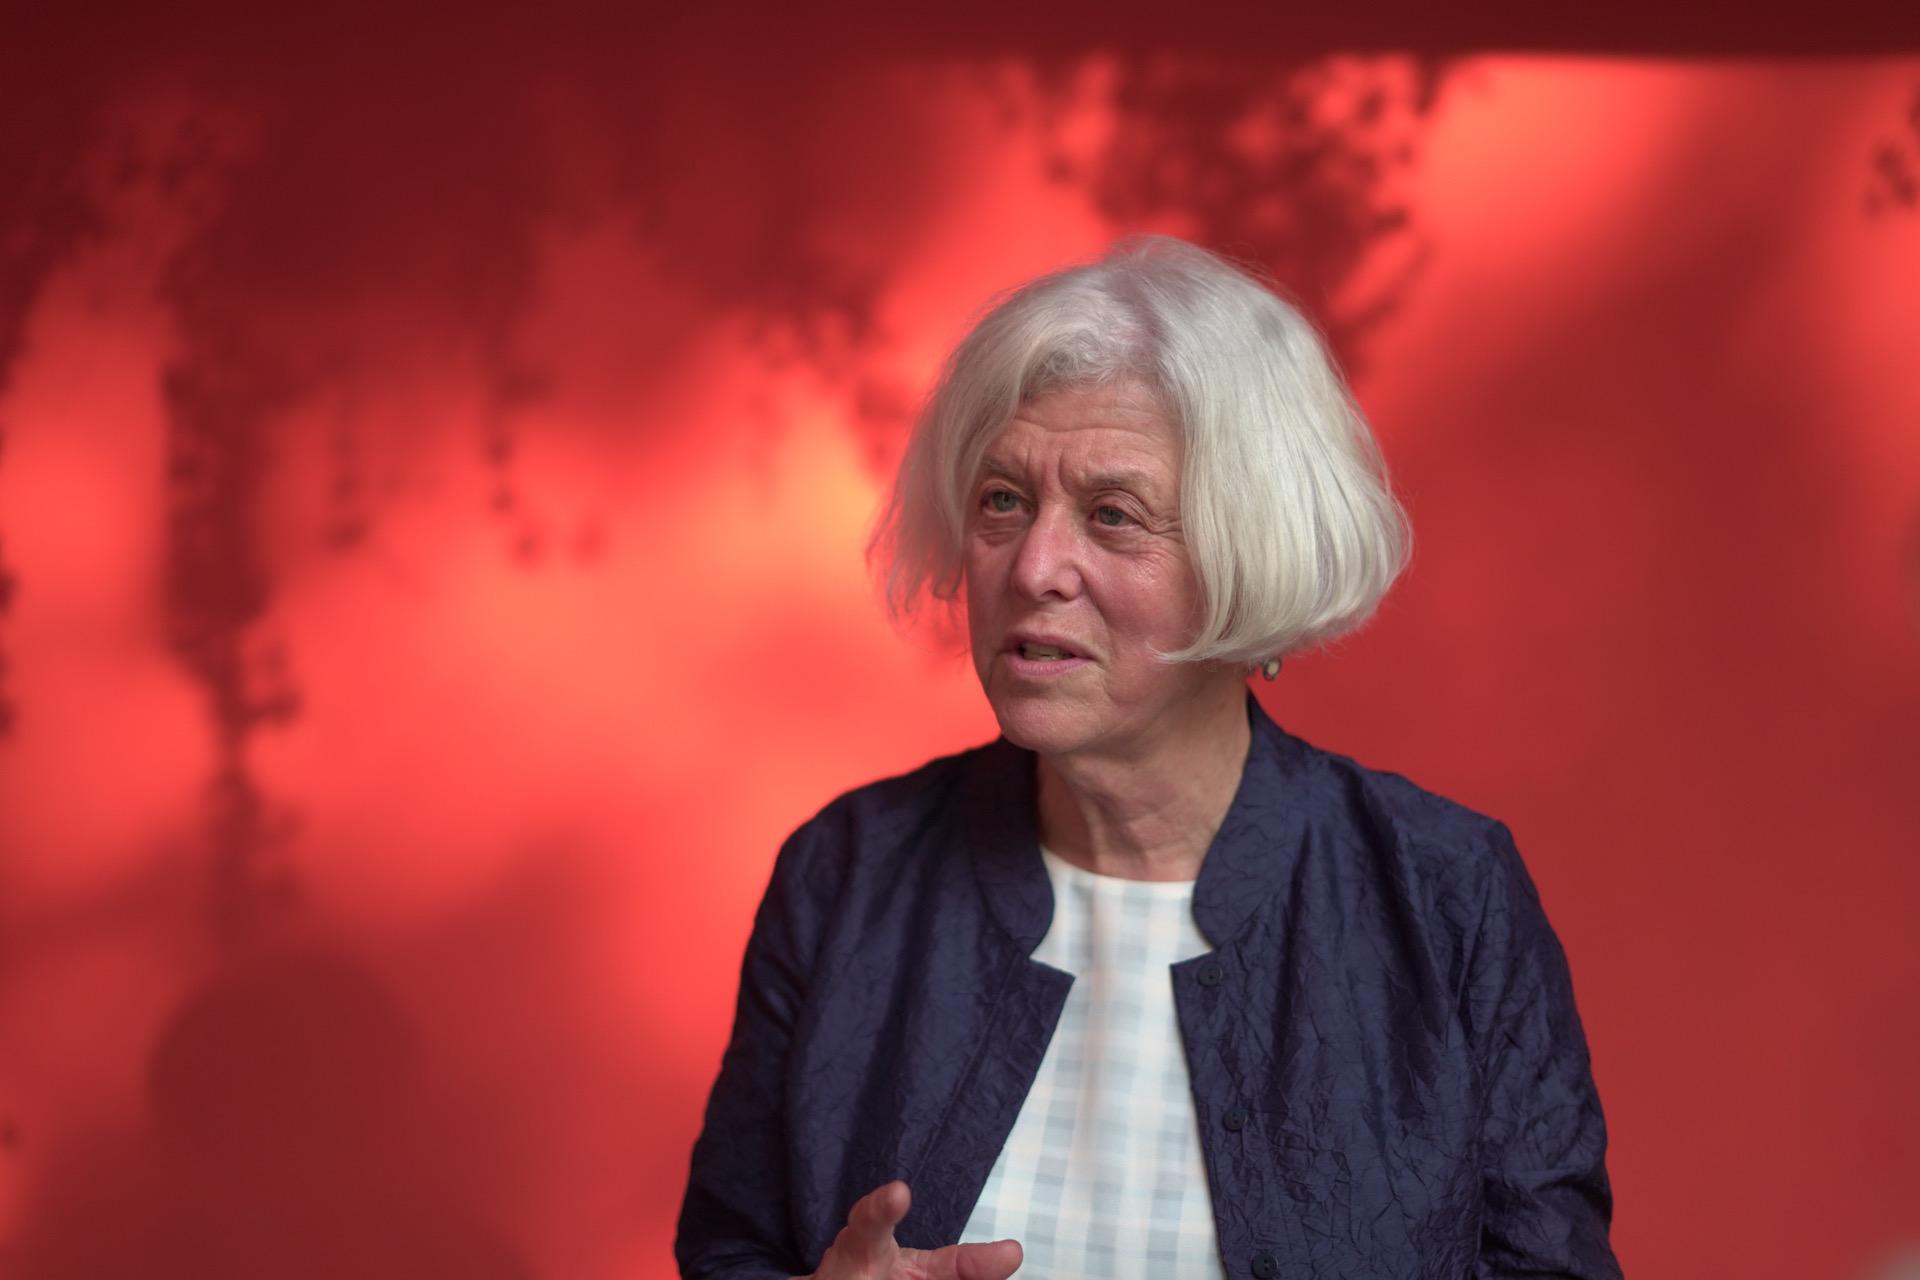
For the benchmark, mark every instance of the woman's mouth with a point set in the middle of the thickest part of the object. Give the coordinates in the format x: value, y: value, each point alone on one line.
x: 1030, y: 658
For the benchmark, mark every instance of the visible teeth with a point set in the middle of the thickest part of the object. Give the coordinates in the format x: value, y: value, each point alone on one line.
x: 1041, y: 652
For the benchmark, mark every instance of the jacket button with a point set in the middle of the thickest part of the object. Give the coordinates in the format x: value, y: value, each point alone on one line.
x: 1211, y: 973
x: 1265, y: 1266
x: 1235, y: 1119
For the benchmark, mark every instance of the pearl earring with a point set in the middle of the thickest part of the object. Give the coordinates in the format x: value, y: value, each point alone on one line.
x: 1271, y: 669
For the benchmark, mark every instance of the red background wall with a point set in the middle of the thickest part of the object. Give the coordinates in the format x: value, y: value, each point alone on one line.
x: 433, y: 469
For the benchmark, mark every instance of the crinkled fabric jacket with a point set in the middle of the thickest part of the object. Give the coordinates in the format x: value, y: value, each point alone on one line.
x: 1386, y: 1016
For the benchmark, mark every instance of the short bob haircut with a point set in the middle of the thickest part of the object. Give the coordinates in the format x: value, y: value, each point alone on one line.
x: 1293, y: 531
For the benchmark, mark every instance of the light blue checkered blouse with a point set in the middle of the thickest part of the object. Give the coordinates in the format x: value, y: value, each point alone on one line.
x: 1102, y: 1175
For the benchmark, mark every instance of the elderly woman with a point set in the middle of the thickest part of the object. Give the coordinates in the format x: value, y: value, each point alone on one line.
x: 1148, y: 986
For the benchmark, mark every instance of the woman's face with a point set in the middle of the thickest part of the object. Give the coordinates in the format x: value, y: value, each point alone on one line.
x: 1074, y: 547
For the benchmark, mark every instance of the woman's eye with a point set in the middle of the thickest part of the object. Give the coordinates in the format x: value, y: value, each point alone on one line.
x: 1001, y: 501
x: 1111, y: 516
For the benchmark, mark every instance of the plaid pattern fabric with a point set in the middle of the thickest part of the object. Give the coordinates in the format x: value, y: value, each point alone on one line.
x: 1102, y: 1177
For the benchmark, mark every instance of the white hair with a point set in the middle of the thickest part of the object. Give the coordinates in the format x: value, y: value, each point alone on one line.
x: 1293, y: 530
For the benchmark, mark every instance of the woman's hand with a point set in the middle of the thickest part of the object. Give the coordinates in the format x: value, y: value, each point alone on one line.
x: 865, y: 1248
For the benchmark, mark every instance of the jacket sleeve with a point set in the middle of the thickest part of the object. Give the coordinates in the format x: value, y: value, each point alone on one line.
x: 1546, y: 1205
x: 735, y: 1218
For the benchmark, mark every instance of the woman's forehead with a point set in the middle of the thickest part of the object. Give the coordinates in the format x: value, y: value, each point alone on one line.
x: 1093, y: 467
x: 1088, y: 434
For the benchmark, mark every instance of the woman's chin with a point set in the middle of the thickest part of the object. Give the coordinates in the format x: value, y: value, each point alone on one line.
x: 1042, y: 725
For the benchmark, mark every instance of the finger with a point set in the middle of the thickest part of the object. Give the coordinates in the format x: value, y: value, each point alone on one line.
x: 994, y: 1261
x: 871, y: 1221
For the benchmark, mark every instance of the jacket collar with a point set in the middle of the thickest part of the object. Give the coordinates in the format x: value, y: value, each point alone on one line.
x: 1251, y: 856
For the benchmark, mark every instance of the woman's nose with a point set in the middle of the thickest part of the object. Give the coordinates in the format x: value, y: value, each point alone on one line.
x: 1048, y: 562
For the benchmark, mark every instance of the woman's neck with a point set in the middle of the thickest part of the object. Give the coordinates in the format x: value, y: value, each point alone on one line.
x: 1153, y: 816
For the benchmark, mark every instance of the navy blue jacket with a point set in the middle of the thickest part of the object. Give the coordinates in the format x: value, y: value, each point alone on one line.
x: 1385, y: 1002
